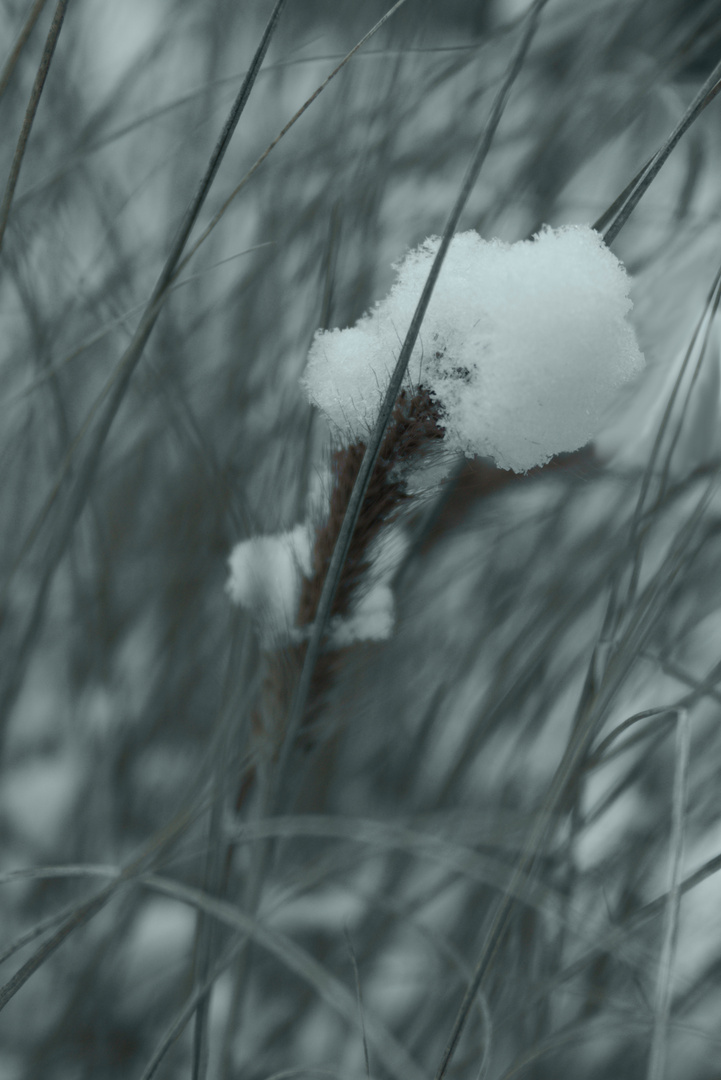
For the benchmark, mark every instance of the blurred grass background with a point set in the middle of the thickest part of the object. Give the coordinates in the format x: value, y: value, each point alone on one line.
x: 127, y: 680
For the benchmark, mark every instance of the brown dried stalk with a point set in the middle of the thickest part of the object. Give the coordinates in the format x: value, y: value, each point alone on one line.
x: 414, y: 428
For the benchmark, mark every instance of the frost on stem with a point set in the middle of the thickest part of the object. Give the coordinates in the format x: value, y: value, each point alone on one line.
x: 523, y: 347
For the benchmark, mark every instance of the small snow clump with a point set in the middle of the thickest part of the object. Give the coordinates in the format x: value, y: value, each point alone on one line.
x: 524, y: 346
x: 372, y: 616
x: 372, y: 619
x: 265, y: 579
x: 265, y: 575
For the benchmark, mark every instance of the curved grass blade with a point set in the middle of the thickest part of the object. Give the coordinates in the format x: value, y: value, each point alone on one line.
x: 306, y: 105
x: 50, y: 43
x: 657, y: 1057
x: 650, y: 171
x: 11, y: 62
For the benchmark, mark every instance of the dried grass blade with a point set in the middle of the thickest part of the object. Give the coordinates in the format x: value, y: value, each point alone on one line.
x: 215, y: 872
x: 648, y: 174
x: 84, y: 912
x: 195, y: 1002
x: 42, y: 74
x: 306, y: 105
x: 79, y: 917
x: 584, y: 728
x: 657, y: 1057
x: 397, y: 1059
x: 359, y: 996
x: 11, y: 62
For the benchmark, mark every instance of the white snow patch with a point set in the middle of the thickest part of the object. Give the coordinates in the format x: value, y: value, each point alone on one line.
x: 371, y: 620
x: 265, y: 575
x: 524, y: 345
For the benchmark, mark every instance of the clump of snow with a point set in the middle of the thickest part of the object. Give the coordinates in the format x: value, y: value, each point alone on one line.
x: 524, y: 346
x: 372, y: 618
x: 265, y: 576
x: 265, y: 579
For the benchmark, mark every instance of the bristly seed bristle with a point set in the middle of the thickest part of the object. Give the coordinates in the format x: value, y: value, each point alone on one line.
x: 415, y: 425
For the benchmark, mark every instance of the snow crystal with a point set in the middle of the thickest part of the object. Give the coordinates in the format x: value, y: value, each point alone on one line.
x: 265, y: 574
x: 524, y: 346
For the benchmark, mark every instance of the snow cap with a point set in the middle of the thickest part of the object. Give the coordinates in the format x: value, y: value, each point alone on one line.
x: 524, y: 346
